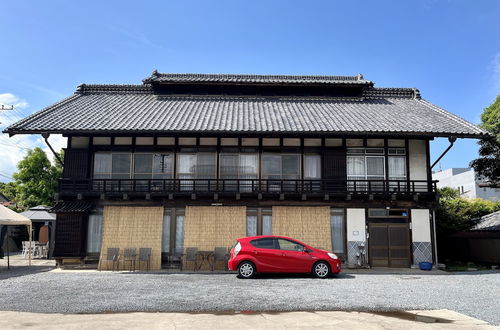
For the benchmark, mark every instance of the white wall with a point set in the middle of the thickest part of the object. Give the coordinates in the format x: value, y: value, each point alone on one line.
x: 420, y: 225
x: 356, y: 225
x: 466, y: 181
x: 418, y: 159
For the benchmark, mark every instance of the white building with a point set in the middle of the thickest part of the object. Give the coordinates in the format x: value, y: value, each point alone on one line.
x: 467, y: 182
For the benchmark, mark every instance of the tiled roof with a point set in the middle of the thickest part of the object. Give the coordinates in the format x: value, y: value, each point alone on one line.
x: 253, y: 79
x: 71, y: 207
x: 137, y: 109
x: 40, y: 212
x: 3, y: 199
x: 489, y: 222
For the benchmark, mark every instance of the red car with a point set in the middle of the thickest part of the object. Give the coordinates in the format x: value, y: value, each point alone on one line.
x: 279, y: 254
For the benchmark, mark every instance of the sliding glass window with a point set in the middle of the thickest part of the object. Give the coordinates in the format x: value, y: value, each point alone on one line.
x: 397, y: 169
x: 112, y: 166
x: 281, y: 167
x: 194, y: 168
x: 366, y: 165
x: 239, y: 166
x: 312, y: 172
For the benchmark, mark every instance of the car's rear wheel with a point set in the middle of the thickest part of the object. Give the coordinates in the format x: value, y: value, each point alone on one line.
x: 321, y: 269
x: 246, y: 270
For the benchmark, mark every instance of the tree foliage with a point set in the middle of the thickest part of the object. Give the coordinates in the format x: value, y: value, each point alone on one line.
x: 35, y: 182
x: 458, y: 214
x: 488, y: 164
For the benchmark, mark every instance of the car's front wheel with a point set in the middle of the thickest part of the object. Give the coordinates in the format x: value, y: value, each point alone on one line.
x: 246, y: 270
x: 321, y: 269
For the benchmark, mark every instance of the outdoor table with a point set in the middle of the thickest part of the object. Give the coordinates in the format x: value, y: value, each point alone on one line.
x: 205, y: 257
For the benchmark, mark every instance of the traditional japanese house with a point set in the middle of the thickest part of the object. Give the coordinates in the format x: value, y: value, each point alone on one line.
x: 197, y: 160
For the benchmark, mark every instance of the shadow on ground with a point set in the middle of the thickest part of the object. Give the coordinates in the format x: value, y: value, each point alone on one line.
x: 16, y: 271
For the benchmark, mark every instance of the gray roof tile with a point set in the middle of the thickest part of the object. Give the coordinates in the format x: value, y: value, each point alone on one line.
x: 136, y: 109
x: 253, y: 79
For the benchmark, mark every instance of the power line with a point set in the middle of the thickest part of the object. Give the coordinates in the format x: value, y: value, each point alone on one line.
x: 14, y: 146
x: 6, y: 176
x: 14, y: 140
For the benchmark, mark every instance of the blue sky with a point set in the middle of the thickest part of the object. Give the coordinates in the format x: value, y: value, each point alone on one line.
x: 450, y: 50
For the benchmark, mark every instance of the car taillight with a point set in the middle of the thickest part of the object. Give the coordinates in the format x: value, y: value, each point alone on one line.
x: 237, y: 249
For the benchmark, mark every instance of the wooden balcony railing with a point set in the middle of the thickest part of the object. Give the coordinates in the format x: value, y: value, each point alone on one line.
x: 167, y: 186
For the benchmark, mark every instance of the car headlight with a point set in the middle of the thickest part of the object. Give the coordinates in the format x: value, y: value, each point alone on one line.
x: 333, y: 255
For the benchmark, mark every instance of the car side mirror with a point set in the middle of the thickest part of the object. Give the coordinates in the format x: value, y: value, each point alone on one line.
x: 306, y: 250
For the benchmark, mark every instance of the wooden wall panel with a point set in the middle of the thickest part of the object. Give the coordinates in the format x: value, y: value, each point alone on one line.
x: 207, y: 227
x: 133, y: 227
x: 76, y: 163
x: 71, y: 230
x: 310, y: 225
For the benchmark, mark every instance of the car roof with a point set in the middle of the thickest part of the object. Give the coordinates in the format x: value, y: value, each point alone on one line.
x: 250, y: 238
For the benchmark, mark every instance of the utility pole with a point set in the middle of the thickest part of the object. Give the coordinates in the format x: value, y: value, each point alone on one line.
x: 6, y: 108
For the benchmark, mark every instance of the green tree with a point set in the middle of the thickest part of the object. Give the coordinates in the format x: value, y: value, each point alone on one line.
x: 36, y: 180
x: 488, y: 164
x: 458, y: 214
x: 9, y: 190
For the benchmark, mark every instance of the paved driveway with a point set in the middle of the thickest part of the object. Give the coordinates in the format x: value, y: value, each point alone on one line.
x: 474, y: 294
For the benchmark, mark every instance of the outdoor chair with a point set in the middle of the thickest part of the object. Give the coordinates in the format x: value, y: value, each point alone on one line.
x: 145, y: 256
x: 220, y: 254
x: 129, y: 255
x: 26, y: 248
x: 113, y: 255
x: 175, y: 258
x: 191, y: 255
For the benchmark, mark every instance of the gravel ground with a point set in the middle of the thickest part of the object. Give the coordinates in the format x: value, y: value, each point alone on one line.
x: 474, y: 294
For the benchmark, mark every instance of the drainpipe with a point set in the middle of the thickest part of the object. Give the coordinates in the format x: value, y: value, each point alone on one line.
x: 56, y: 155
x: 452, y: 140
x: 435, y: 237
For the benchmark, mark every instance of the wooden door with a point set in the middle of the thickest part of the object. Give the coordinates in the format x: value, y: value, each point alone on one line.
x: 389, y: 245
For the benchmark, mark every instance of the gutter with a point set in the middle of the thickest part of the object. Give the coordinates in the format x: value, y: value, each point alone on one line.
x: 56, y: 155
x: 452, y: 140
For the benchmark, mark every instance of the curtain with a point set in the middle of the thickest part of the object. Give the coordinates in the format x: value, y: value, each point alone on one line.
x: 228, y: 166
x: 102, y: 165
x: 397, y: 168
x: 248, y: 166
x: 94, y: 232
x: 267, y: 225
x: 356, y: 167
x: 165, y: 242
x: 179, y: 233
x: 251, y: 225
x: 312, y: 167
x: 186, y: 164
x: 337, y: 223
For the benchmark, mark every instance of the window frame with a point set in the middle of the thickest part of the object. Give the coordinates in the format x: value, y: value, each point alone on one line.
x: 275, y: 243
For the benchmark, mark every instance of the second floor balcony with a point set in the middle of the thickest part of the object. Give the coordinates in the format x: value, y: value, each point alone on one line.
x: 184, y: 186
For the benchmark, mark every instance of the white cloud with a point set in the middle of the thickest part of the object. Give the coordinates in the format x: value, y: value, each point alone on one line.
x: 9, y: 99
x: 13, y: 149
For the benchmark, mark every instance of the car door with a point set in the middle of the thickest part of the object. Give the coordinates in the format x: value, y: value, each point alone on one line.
x: 293, y: 257
x: 267, y: 255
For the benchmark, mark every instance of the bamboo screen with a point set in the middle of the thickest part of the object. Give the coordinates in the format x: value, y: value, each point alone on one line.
x: 133, y: 227
x: 207, y: 227
x: 310, y: 225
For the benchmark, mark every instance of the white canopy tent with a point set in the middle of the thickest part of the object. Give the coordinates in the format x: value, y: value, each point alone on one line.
x: 11, y: 218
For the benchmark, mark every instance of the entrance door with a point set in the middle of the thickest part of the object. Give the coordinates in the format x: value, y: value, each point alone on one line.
x: 389, y: 245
